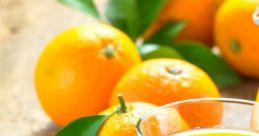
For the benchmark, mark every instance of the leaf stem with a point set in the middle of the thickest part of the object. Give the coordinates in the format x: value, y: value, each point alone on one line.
x: 123, y: 107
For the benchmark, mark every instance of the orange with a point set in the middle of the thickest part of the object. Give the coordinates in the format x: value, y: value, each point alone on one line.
x: 236, y: 35
x: 162, y: 81
x: 198, y: 15
x: 202, y: 114
x: 78, y: 69
x: 124, y: 123
x: 163, y: 122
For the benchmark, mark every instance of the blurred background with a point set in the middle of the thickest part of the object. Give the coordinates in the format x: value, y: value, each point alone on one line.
x: 25, y: 27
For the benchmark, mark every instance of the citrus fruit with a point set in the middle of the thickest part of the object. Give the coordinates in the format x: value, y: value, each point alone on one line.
x: 236, y: 35
x: 78, y: 69
x: 202, y: 114
x: 124, y: 124
x: 198, y: 15
x: 162, y: 81
x: 163, y: 122
x: 123, y: 120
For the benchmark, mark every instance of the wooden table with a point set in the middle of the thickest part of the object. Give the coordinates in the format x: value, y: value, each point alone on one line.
x: 25, y: 27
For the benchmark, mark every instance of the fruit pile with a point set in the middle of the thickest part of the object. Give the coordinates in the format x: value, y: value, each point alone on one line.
x: 152, y: 53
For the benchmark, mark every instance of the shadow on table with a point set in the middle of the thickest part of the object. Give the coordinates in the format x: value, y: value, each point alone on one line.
x: 50, y: 130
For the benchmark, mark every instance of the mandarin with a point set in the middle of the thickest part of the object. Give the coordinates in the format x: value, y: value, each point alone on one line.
x: 162, y: 81
x: 197, y: 14
x: 78, y: 69
x: 236, y: 35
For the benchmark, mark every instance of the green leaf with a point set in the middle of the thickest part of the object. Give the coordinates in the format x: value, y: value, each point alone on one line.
x: 133, y: 16
x: 86, y: 126
x: 123, y: 14
x: 215, y: 66
x: 167, y: 33
x: 86, y: 6
x: 150, y: 51
x: 148, y: 11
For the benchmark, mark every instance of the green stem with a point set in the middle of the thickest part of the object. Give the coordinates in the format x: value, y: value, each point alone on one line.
x: 123, y: 107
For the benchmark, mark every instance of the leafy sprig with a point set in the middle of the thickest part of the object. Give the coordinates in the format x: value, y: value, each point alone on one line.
x: 134, y: 17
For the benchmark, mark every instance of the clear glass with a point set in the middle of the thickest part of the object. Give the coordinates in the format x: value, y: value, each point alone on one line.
x: 196, y: 114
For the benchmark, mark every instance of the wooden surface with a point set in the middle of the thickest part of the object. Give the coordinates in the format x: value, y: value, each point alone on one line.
x: 25, y: 27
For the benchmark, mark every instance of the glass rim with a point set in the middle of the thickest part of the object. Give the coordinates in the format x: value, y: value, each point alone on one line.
x: 229, y: 100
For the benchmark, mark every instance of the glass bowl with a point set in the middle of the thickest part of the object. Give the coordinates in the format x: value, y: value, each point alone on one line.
x: 201, y: 117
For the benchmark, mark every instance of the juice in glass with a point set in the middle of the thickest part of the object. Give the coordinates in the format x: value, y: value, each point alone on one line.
x: 203, y: 117
x: 216, y: 132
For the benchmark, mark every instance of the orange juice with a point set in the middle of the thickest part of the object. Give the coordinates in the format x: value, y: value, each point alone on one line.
x: 216, y: 132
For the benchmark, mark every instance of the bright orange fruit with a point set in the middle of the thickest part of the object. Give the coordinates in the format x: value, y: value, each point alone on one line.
x: 198, y: 15
x: 202, y: 114
x: 78, y: 69
x: 236, y: 35
x: 124, y: 124
x: 162, y: 81
x: 163, y: 122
